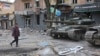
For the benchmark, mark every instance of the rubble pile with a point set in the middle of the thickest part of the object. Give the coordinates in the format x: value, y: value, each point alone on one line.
x: 5, y: 32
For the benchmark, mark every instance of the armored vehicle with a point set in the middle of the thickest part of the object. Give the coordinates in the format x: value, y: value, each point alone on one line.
x: 75, y: 29
x: 69, y: 31
x: 93, y: 35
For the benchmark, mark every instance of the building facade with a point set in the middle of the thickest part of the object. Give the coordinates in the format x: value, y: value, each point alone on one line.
x: 72, y: 2
x: 29, y: 13
x: 92, y: 10
x: 75, y: 2
x: 6, y: 15
x: 53, y: 2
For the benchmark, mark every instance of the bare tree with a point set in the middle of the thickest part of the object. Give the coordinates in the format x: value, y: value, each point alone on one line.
x: 47, y: 3
x: 50, y: 16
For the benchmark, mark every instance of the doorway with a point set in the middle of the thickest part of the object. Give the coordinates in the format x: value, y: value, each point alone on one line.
x: 27, y: 22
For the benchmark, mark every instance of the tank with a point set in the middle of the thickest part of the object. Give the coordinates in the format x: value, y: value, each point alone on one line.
x: 75, y: 29
x: 81, y: 21
x: 93, y: 35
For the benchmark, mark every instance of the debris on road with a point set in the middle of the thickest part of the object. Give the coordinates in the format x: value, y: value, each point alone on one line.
x: 46, y: 52
x: 90, y: 53
x: 5, y: 32
x: 0, y: 34
x: 43, y: 44
x: 71, y: 50
x: 66, y: 51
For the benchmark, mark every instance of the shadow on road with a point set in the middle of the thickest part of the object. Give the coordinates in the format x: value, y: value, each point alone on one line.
x: 17, y: 50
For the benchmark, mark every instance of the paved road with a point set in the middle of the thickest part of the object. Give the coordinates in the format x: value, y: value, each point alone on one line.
x: 29, y: 44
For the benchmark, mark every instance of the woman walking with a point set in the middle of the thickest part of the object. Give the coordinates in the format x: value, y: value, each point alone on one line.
x: 15, y: 34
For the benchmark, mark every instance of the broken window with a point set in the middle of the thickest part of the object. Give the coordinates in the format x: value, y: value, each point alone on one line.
x: 74, y: 1
x: 37, y: 3
x: 61, y: 1
x: 89, y: 0
x: 27, y: 5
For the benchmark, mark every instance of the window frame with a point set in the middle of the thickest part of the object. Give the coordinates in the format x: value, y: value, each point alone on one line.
x: 38, y: 19
x: 37, y: 3
x: 88, y: 0
x: 74, y: 1
x: 61, y: 1
x: 26, y: 5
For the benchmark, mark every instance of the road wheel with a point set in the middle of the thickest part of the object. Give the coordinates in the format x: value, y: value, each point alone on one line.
x: 52, y: 35
x: 61, y: 36
x: 55, y: 36
x: 95, y: 38
x: 94, y: 42
x: 89, y: 36
x: 75, y: 34
x: 78, y: 36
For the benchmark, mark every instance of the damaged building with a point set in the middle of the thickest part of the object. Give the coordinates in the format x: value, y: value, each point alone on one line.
x: 29, y: 13
x: 6, y: 15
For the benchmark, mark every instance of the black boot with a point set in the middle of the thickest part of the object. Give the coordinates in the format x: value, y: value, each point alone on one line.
x: 11, y: 44
x: 16, y: 45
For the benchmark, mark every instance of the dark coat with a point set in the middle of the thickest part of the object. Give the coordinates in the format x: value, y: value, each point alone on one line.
x: 15, y: 32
